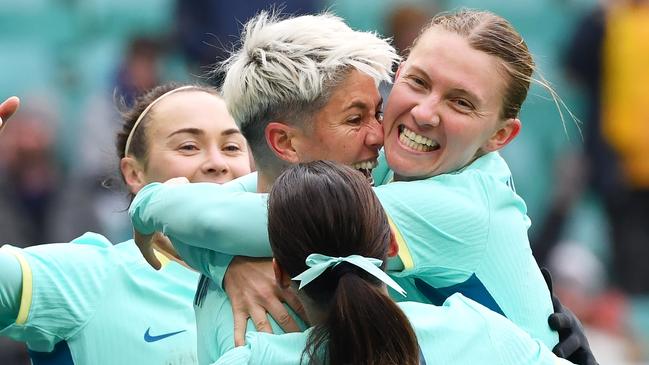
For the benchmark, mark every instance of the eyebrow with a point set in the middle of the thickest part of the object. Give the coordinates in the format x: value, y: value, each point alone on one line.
x: 460, y: 90
x: 361, y: 105
x: 231, y: 131
x: 198, y: 132
x: 194, y: 131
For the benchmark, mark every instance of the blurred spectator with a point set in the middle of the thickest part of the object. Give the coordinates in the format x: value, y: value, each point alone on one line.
x: 139, y: 70
x: 36, y: 204
x: 207, y: 29
x: 405, y: 21
x: 608, y: 56
x: 625, y: 126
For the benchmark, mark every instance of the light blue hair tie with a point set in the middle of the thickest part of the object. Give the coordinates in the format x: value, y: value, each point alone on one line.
x: 318, y: 264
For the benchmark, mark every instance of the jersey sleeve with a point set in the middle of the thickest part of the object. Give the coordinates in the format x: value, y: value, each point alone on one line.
x: 209, y: 263
x: 439, y: 226
x: 61, y: 286
x: 10, y: 288
x: 221, y: 218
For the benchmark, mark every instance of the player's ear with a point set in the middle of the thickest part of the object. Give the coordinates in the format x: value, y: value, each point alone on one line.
x: 393, y: 247
x: 280, y: 139
x: 282, y: 278
x: 503, y: 135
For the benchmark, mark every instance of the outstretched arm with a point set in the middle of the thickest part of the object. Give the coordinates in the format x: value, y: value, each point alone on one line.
x: 221, y: 218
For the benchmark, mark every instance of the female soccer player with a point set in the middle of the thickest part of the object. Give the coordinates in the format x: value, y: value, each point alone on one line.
x: 92, y: 302
x: 458, y: 221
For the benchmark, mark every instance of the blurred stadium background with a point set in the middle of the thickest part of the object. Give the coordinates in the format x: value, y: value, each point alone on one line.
x: 69, y: 60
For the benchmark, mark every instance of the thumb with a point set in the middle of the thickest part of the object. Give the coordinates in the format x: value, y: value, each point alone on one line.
x: 9, y: 107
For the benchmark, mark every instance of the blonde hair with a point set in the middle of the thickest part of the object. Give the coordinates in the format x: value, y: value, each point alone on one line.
x: 286, y: 69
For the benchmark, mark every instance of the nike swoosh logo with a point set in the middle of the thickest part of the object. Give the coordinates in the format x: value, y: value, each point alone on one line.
x: 149, y: 338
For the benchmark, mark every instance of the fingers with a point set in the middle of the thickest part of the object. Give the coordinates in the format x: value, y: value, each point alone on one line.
x: 559, y: 321
x: 240, y: 324
x: 164, y: 245
x: 177, y: 181
x: 150, y: 257
x: 7, y: 109
x: 590, y: 360
x: 567, y: 347
x: 144, y: 244
x: 260, y: 320
x: 294, y: 302
x: 280, y: 314
x: 547, y: 277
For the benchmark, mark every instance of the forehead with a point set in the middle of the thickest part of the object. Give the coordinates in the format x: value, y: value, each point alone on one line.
x: 448, y: 58
x: 357, y: 90
x: 190, y: 109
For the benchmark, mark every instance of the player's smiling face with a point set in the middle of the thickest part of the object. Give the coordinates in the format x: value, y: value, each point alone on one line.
x: 348, y: 128
x: 444, y: 107
x: 192, y: 135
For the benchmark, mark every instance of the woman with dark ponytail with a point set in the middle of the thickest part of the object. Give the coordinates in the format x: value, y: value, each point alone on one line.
x: 330, y: 239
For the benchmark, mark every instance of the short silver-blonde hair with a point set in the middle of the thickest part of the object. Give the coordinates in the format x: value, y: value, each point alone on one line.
x: 286, y: 69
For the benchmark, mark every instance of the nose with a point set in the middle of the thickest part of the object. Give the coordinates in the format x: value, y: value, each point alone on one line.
x: 215, y: 163
x: 426, y: 112
x: 374, y: 137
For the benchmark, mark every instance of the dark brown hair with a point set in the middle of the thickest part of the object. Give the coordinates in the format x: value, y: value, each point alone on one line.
x: 326, y: 208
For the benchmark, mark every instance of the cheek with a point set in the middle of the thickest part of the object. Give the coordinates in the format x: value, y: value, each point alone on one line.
x: 174, y: 166
x: 239, y: 165
x: 400, y: 100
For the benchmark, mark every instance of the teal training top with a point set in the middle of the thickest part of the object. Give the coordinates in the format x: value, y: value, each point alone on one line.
x: 91, y: 302
x: 460, y: 331
x: 464, y: 232
x: 214, y: 320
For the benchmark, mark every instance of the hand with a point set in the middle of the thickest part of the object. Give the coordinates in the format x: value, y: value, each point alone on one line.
x: 148, y: 243
x: 251, y: 287
x: 7, y: 109
x: 177, y: 181
x: 144, y: 242
x: 573, y: 344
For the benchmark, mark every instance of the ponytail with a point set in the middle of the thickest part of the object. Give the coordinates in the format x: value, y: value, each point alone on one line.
x: 363, y: 325
x: 328, y: 231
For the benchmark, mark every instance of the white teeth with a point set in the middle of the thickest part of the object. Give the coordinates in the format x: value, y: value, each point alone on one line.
x: 367, y: 165
x: 417, y: 141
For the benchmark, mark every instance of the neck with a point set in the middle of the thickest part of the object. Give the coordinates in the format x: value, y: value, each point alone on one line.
x: 266, y: 177
x: 264, y: 182
x: 315, y: 312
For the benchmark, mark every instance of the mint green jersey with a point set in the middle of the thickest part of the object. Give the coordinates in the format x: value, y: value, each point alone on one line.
x: 460, y: 331
x: 214, y: 319
x: 215, y: 322
x: 463, y: 232
x: 466, y: 232
x: 91, y: 302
